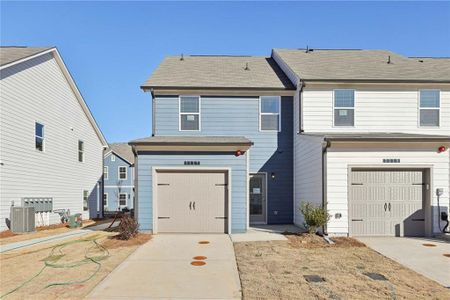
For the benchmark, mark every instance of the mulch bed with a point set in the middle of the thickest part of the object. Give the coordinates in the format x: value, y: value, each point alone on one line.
x: 113, y: 242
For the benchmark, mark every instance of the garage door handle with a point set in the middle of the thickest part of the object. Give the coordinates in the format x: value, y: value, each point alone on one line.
x: 163, y: 217
x: 223, y: 218
x: 194, y: 205
x: 190, y: 205
x: 357, y: 220
x: 385, y: 206
x: 389, y: 207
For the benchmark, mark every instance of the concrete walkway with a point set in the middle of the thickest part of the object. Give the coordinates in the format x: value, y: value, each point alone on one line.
x: 411, y: 252
x: 162, y: 268
x: 263, y: 233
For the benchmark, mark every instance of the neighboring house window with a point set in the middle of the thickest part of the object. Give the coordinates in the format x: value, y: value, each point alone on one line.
x: 39, y: 136
x: 80, y: 151
x: 113, y: 157
x: 105, y: 173
x: 105, y: 199
x: 85, y: 200
x: 269, y: 113
x: 189, y: 113
x: 123, y: 199
x: 122, y: 173
x: 429, y: 107
x: 344, y: 108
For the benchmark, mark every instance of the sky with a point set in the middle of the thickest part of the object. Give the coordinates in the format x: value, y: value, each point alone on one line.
x: 111, y: 48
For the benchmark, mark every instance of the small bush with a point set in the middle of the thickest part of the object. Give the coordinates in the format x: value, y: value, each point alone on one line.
x: 315, y: 216
x: 128, y: 228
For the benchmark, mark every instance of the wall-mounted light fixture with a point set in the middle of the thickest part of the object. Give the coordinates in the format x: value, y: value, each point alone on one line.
x: 272, y: 175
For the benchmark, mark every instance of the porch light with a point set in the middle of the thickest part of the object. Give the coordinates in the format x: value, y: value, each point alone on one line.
x: 441, y: 149
x: 238, y: 153
x: 272, y: 175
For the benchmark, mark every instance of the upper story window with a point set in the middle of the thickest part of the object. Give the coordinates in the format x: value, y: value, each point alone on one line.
x: 122, y: 173
x: 344, y: 107
x: 39, y: 136
x: 80, y: 151
x: 270, y: 113
x: 189, y: 113
x: 429, y: 107
x: 105, y: 172
x: 85, y: 200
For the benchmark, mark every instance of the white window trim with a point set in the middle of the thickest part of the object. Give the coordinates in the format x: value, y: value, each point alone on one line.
x: 333, y: 103
x: 126, y: 200
x: 113, y: 157
x: 82, y: 199
x: 80, y: 151
x: 118, y: 173
x: 184, y: 113
x: 105, y: 199
x: 43, y: 136
x: 419, y: 108
x: 105, y: 177
x: 279, y: 115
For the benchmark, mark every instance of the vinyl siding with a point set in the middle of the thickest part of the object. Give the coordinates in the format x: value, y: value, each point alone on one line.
x: 375, y: 111
x: 113, y: 184
x: 238, y: 165
x: 37, y: 90
x: 337, y: 183
x: 272, y: 152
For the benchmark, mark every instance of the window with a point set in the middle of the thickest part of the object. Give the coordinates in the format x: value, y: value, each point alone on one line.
x: 123, y: 199
x: 39, y: 136
x: 80, y: 151
x: 189, y: 113
x: 113, y: 157
x: 85, y: 200
x: 122, y: 173
x: 344, y: 108
x: 105, y: 173
x: 269, y: 113
x: 105, y: 200
x: 429, y: 107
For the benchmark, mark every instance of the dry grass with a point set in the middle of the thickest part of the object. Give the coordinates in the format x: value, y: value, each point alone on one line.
x: 274, y: 270
x: 19, y: 266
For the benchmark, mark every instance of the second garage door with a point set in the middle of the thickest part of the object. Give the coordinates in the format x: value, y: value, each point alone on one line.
x: 192, y: 201
x: 387, y: 202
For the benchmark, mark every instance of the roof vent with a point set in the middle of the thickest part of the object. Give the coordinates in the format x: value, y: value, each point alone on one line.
x: 421, y: 60
x: 182, y: 56
x: 307, y: 49
x: 389, y: 60
x: 246, y: 67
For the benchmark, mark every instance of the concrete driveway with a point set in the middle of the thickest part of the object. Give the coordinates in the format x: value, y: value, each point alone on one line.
x: 412, y: 253
x: 162, y: 269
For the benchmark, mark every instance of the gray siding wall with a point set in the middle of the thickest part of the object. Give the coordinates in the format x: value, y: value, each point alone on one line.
x: 239, y: 116
x: 113, y: 185
x: 238, y: 166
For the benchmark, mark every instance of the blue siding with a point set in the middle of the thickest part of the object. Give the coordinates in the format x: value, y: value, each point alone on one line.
x: 113, y: 183
x: 238, y: 166
x: 239, y: 116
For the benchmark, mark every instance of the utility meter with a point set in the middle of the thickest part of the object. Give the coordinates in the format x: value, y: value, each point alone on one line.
x: 439, y: 192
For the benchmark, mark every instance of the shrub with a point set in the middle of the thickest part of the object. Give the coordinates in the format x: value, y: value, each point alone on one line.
x: 128, y: 228
x: 315, y: 216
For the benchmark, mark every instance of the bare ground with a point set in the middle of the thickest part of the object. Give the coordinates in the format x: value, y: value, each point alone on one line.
x: 18, y: 267
x: 275, y: 270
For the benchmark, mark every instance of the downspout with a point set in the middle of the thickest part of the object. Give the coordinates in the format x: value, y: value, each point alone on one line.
x: 300, y: 110
x: 153, y: 112
x: 325, y: 146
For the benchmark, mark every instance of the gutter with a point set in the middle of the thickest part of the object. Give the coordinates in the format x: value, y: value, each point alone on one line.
x: 325, y: 145
x: 300, y: 107
x: 153, y: 112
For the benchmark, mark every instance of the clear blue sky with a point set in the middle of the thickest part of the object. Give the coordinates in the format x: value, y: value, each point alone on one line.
x: 112, y: 47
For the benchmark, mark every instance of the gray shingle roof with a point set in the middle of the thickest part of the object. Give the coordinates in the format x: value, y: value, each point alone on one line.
x: 123, y: 150
x: 218, y: 72
x: 364, y: 65
x: 193, y: 140
x: 394, y: 136
x: 13, y: 53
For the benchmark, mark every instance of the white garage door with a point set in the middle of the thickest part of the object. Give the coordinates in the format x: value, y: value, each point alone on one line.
x: 192, y: 201
x: 387, y: 202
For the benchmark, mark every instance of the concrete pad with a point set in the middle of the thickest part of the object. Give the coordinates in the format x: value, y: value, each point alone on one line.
x: 264, y: 233
x: 410, y: 252
x: 162, y: 268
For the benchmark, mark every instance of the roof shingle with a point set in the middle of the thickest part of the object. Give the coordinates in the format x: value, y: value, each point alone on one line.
x: 11, y: 54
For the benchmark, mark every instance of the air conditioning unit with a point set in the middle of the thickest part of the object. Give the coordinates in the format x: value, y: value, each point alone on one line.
x: 22, y: 219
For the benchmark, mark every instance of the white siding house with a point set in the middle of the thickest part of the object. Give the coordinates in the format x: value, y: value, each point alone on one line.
x: 371, y: 139
x: 50, y: 144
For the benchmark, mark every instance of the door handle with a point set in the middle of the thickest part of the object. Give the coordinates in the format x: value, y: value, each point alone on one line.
x: 194, y: 205
x: 389, y: 206
x: 190, y: 205
x: 385, y: 206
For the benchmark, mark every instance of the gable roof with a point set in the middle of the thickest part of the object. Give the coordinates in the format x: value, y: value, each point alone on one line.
x: 123, y: 150
x: 221, y: 72
x: 11, y: 56
x: 362, y: 65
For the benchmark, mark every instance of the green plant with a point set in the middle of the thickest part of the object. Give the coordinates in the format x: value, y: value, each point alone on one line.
x: 315, y: 216
x: 128, y: 228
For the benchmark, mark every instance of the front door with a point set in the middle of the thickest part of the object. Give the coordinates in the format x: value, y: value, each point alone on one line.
x: 258, y: 199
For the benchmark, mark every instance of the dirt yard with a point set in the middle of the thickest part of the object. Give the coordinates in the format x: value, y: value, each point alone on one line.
x: 45, y: 271
x: 275, y: 270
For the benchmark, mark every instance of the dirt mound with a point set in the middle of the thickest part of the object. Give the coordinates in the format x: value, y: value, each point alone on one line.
x: 311, y: 241
x: 113, y: 242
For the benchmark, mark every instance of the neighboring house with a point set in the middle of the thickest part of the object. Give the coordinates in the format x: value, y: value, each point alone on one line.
x: 372, y: 136
x: 118, y: 177
x: 221, y: 154
x: 51, y: 148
